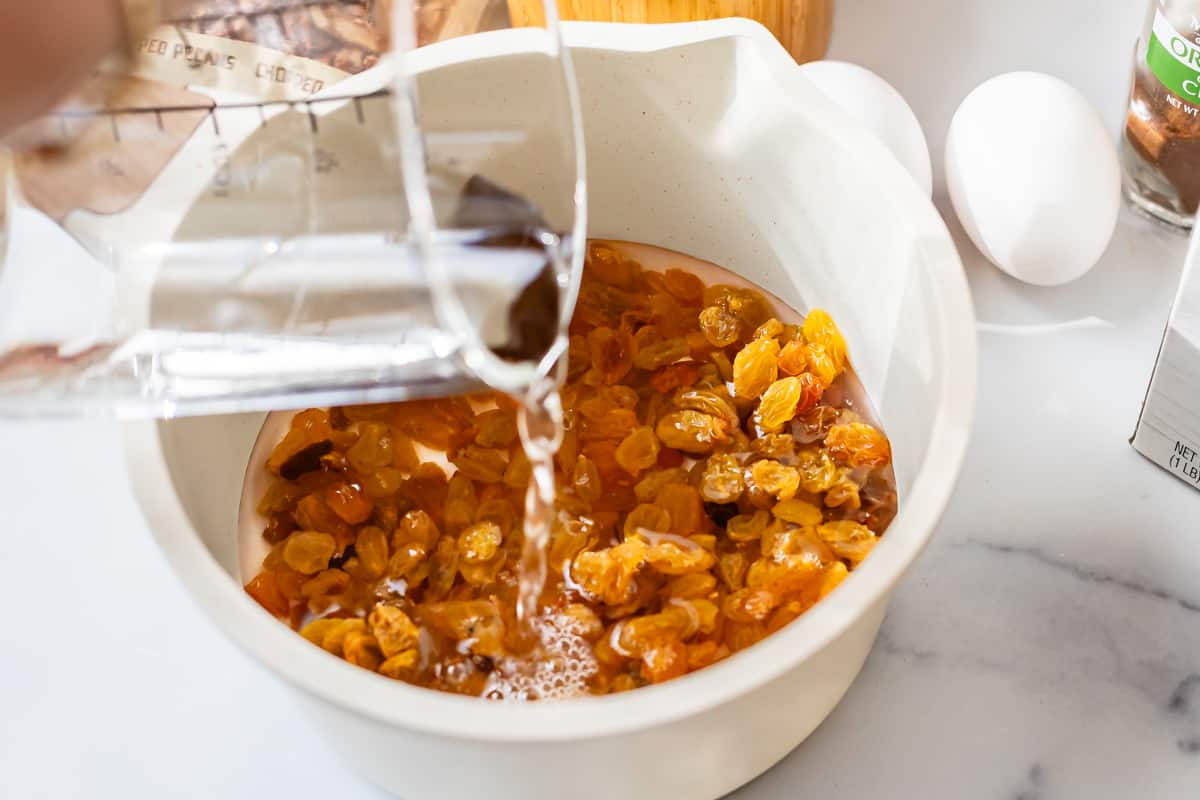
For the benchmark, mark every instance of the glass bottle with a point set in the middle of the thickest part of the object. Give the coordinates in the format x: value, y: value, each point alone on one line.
x: 1161, y: 144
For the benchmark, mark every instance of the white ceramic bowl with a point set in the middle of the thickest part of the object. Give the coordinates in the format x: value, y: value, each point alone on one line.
x: 702, y: 138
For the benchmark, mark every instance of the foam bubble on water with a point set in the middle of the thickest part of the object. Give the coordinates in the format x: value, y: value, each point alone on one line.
x: 558, y: 670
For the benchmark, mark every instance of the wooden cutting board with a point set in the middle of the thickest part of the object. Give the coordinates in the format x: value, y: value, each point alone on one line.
x: 802, y: 26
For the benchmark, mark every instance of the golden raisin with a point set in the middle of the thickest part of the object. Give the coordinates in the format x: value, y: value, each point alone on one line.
x: 611, y: 266
x: 498, y: 510
x: 747, y: 527
x: 821, y: 365
x: 335, y: 638
x: 720, y: 328
x: 750, y: 605
x: 280, y: 496
x: 692, y: 431
x: 586, y: 480
x: 775, y: 479
x: 820, y: 330
x: 646, y: 518
x: 848, y: 540
x: 578, y: 357
x: 476, y: 620
x: 747, y: 306
x: 673, y: 558
x: 402, y: 666
x: 416, y: 527
x: 348, y: 502
x: 797, y: 511
x: 497, y: 428
x: 362, y: 650
x: 844, y: 494
x: 772, y: 329
x: 663, y: 661
x: 443, y: 568
x: 383, y: 482
x: 714, y: 401
x: 638, y: 451
x: 793, y: 359
x: 722, y: 480
x: 817, y: 471
x: 660, y: 354
x: 785, y: 614
x: 776, y: 446
x: 616, y: 424
x: 611, y: 352
x: 461, y: 503
x: 700, y: 584
x: 322, y: 589
x: 755, y: 368
x: 318, y: 629
x: 373, y: 448
x: 638, y: 633
x: 723, y: 364
x: 405, y: 559
x: 584, y: 622
x: 393, y: 629
x: 705, y: 654
x: 684, y: 286
x: 568, y: 538
x: 778, y: 404
x: 372, y: 550
x: 858, y: 445
x: 483, y: 464
x: 479, y: 542
x: 519, y: 472
x: 308, y: 552
x: 732, y: 567
x: 682, y: 502
x: 265, y: 590
x: 404, y: 454
x: 308, y: 431
x: 624, y: 683
x: 833, y: 578
x: 648, y: 487
x: 608, y: 574
x: 671, y: 377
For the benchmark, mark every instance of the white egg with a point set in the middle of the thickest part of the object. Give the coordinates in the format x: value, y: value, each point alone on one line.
x: 873, y: 102
x: 1034, y: 177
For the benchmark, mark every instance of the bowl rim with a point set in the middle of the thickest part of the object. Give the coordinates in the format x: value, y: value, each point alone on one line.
x: 394, y: 703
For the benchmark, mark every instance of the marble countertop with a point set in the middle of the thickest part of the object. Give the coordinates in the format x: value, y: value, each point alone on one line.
x: 1046, y: 646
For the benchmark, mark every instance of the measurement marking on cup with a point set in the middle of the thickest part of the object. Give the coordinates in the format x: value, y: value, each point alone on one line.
x: 81, y: 113
x: 264, y: 109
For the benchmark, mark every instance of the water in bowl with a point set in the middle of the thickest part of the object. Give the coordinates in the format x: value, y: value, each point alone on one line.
x: 540, y: 618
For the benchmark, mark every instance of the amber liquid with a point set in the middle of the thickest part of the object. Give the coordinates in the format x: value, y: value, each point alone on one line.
x: 531, y: 630
x: 1161, y: 151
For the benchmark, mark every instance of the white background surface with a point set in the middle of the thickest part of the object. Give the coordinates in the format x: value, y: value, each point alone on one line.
x: 1046, y: 646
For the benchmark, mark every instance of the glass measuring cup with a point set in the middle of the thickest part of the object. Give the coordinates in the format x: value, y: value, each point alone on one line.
x: 246, y: 206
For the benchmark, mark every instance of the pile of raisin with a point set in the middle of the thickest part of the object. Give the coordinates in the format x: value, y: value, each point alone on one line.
x: 714, y: 483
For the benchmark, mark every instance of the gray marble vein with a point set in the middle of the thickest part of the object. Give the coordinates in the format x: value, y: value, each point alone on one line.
x: 1085, y: 573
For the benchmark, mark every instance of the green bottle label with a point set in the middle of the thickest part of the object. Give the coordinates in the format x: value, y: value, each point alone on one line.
x: 1174, y: 60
